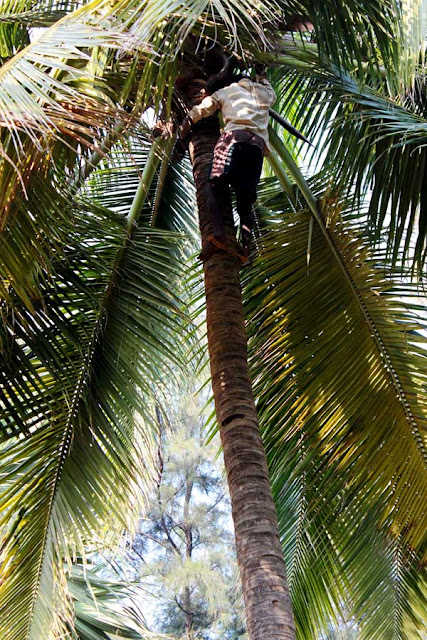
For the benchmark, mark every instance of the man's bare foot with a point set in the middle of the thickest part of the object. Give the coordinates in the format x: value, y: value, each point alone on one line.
x: 246, y: 237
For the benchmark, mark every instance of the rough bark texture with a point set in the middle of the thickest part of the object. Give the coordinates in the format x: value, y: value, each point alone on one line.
x: 259, y: 553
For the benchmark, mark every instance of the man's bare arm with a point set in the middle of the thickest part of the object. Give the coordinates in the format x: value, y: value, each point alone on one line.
x: 207, y: 107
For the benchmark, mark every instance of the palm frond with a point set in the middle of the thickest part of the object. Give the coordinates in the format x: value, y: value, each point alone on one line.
x: 177, y: 208
x: 170, y: 202
x: 18, y: 16
x: 104, y: 606
x: 28, y: 230
x: 371, y: 145
x: 77, y: 380
x: 389, y: 159
x: 338, y: 363
x: 385, y: 39
x: 234, y: 18
x: 50, y: 87
x: 413, y: 39
x: 387, y: 581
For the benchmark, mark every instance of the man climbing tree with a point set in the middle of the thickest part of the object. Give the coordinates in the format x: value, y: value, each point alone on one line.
x: 238, y: 155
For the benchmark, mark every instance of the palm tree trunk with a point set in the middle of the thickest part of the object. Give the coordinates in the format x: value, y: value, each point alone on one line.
x: 259, y: 552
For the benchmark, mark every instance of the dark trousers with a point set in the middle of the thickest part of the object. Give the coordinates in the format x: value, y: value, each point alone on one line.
x: 242, y: 173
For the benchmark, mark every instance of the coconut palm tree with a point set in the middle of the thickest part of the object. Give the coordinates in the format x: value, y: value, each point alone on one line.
x: 91, y: 269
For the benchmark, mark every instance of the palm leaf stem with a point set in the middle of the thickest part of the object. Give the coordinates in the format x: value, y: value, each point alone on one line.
x: 315, y: 209
x: 131, y: 221
x: 33, y: 18
x: 275, y: 59
x: 282, y: 176
x: 296, y: 174
x: 147, y: 177
x: 312, y: 61
x: 96, y: 156
x: 164, y: 169
x: 308, y: 60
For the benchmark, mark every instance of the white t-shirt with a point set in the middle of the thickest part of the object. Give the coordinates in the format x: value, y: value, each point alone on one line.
x: 244, y: 105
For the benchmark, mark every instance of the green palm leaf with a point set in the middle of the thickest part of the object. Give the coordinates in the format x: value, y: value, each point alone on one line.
x: 17, y: 16
x: 388, y: 158
x: 338, y: 364
x: 46, y: 88
x: 104, y: 608
x: 371, y: 144
x: 86, y: 334
x: 75, y: 374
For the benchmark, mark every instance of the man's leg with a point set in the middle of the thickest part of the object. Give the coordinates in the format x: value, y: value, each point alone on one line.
x: 216, y: 193
x: 218, y: 197
x: 246, y: 215
x: 247, y: 166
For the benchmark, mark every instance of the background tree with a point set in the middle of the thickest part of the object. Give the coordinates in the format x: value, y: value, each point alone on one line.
x: 185, y: 540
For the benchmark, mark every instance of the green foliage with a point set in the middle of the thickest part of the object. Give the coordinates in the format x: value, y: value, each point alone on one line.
x: 343, y: 413
x: 370, y: 124
x: 77, y: 385
x: 104, y: 609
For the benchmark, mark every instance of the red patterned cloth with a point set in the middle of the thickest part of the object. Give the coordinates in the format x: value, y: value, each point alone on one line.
x: 224, y: 148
